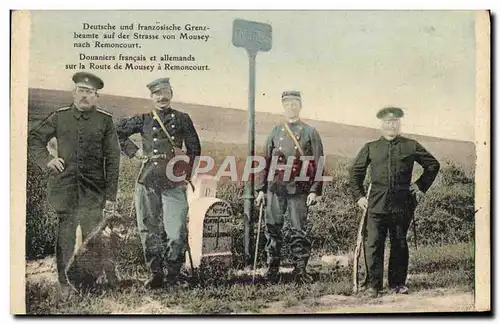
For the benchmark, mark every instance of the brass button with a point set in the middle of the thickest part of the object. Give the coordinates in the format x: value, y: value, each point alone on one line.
x: 154, y: 128
x: 156, y: 163
x: 155, y: 139
x: 155, y: 151
x: 173, y: 126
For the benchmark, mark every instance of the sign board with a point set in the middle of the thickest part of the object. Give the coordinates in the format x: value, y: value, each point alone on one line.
x: 252, y: 35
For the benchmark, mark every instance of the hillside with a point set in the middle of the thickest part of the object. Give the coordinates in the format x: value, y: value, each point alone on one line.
x: 217, y: 124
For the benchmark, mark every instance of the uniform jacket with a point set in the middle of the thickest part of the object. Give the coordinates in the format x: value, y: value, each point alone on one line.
x: 280, y: 144
x: 391, y: 172
x: 154, y: 141
x: 88, y: 144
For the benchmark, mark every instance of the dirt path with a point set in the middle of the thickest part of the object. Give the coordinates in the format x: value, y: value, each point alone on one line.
x: 435, y: 300
x: 432, y: 300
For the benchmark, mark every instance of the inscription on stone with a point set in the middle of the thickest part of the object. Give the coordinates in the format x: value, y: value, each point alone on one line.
x: 217, y: 229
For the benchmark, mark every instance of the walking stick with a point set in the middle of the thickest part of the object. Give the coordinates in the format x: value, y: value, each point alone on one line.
x: 414, y: 225
x: 143, y: 161
x: 359, y: 246
x: 188, y: 248
x: 257, y: 242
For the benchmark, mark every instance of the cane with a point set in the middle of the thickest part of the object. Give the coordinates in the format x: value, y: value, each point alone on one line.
x: 359, y: 246
x: 257, y: 242
x: 414, y: 225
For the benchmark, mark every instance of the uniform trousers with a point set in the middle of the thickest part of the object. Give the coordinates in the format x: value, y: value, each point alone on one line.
x: 296, y: 209
x: 161, y: 222
x: 377, y: 227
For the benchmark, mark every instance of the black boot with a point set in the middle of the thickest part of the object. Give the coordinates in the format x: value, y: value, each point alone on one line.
x: 155, y: 281
x: 300, y: 274
x: 273, y: 271
x: 174, y: 276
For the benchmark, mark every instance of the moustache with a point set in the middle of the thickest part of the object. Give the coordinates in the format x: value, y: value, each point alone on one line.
x: 84, y: 101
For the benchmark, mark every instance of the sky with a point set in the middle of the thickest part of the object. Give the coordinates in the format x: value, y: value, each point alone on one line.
x: 347, y: 64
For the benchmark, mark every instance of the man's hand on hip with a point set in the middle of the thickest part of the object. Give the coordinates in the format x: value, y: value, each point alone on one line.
x: 139, y: 155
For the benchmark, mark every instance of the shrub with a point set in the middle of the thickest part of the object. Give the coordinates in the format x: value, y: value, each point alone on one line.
x: 41, y: 221
x: 444, y: 215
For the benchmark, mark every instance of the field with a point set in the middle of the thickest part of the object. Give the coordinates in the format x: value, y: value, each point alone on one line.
x: 441, y: 269
x: 440, y: 278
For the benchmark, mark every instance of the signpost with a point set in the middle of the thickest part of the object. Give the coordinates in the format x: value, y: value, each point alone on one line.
x: 254, y: 37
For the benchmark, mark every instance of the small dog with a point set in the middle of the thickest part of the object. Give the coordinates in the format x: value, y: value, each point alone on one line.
x: 95, y: 257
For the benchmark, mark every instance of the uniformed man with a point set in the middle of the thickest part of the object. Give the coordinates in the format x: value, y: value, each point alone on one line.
x: 161, y: 201
x: 291, y: 139
x: 84, y: 174
x: 392, y: 199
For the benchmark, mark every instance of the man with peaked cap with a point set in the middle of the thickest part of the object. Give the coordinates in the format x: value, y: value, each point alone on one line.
x: 293, y: 194
x: 392, y: 199
x: 160, y: 200
x: 83, y: 177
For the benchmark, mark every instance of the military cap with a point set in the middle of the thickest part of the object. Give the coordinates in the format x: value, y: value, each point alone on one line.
x: 290, y: 94
x: 88, y: 80
x: 390, y: 112
x: 158, y: 84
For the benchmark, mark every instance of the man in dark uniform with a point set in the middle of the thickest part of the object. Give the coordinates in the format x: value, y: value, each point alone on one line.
x: 392, y: 199
x: 161, y: 203
x: 291, y: 195
x: 84, y: 176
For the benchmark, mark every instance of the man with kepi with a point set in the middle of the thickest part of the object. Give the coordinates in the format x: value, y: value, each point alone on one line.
x: 289, y: 185
x: 84, y: 175
x: 392, y: 199
x: 160, y: 194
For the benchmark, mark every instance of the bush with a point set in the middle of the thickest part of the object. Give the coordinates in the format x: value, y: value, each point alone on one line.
x: 444, y: 215
x: 41, y: 221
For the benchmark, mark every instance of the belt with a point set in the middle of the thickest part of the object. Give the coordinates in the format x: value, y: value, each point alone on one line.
x: 154, y: 157
x: 157, y: 156
x: 282, y: 167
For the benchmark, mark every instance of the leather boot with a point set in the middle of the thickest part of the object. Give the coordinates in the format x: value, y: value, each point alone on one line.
x: 155, y: 281
x: 300, y: 274
x: 174, y: 276
x: 273, y: 271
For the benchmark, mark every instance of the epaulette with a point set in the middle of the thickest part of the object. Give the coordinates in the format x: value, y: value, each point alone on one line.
x: 63, y: 108
x: 104, y: 112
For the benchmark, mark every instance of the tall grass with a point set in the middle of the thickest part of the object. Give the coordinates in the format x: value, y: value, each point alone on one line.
x: 444, y: 215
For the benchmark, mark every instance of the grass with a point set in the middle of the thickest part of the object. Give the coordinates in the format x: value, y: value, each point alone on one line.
x: 232, y: 294
x: 445, y: 220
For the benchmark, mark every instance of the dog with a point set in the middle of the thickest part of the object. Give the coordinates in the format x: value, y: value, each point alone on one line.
x: 94, y: 258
